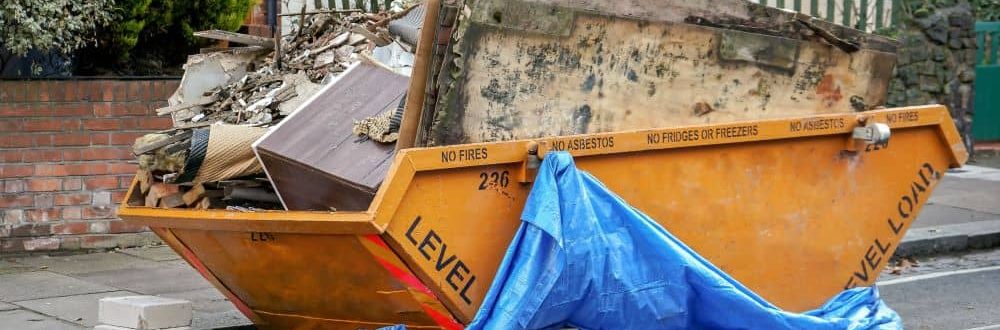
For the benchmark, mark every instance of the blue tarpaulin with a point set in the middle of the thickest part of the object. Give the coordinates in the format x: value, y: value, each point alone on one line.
x: 584, y: 258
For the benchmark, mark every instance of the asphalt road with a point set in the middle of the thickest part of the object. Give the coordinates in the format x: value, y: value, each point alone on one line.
x: 958, y: 292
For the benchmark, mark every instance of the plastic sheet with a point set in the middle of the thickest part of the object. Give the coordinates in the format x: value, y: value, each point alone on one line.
x: 583, y: 257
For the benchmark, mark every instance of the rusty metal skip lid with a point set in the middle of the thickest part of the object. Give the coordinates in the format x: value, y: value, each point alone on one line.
x: 796, y: 209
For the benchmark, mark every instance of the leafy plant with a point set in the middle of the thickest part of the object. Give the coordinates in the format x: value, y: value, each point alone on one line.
x: 987, y: 10
x: 153, y: 34
x: 60, y: 26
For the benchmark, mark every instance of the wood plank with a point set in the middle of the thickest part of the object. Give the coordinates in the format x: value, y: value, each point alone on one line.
x: 418, y: 78
x: 245, y: 39
x: 192, y: 196
x: 171, y: 201
x: 313, y: 158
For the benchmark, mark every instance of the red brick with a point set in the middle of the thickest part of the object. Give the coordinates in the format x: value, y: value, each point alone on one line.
x: 98, y: 241
x: 90, y: 90
x: 103, y: 109
x: 72, y: 184
x: 125, y: 181
x: 73, y: 139
x: 51, y: 170
x: 155, y: 123
x: 107, y: 90
x: 170, y: 86
x: 133, y: 88
x: 31, y: 229
x: 43, y: 215
x: 16, y: 141
x: 123, y: 153
x: 122, y: 168
x: 119, y: 226
x: 147, y: 90
x: 121, y: 90
x: 42, y: 140
x: 13, y: 186
x: 99, y: 227
x: 70, y: 169
x: 71, y: 228
x: 16, y: 201
x: 43, y: 125
x: 27, y: 244
x: 34, y: 156
x: 130, y: 109
x: 72, y: 213
x: 57, y: 90
x: 42, y: 89
x: 16, y: 110
x: 70, y: 89
x: 15, y: 171
x: 105, y: 124
x: 100, y: 139
x: 12, y: 156
x: 99, y: 212
x: 118, y: 196
x: 72, y: 199
x: 126, y: 139
x: 44, y: 200
x: 100, y: 182
x: 10, y: 125
x: 44, y: 184
x: 7, y: 91
x: 72, y: 110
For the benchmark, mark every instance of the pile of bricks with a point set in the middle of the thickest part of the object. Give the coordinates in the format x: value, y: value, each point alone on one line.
x: 66, y: 161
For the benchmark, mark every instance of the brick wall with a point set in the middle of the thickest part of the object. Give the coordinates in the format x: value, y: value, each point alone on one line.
x: 65, y: 160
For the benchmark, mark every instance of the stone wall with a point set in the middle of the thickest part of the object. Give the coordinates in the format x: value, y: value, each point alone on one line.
x: 66, y: 160
x: 937, y: 58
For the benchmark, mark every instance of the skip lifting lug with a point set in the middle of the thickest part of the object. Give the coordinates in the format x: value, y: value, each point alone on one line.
x: 867, y: 133
x: 531, y: 164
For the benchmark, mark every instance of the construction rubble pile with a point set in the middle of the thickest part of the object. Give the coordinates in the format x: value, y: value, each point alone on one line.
x: 231, y: 96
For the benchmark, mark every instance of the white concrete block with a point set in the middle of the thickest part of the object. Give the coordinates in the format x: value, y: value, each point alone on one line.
x: 111, y: 327
x: 144, y: 312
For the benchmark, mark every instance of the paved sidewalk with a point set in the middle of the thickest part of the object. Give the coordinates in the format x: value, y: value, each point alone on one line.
x: 61, y: 292
x: 962, y: 213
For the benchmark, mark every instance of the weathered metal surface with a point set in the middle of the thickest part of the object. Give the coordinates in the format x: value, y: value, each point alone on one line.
x: 771, y: 51
x: 780, y: 205
x: 528, y: 69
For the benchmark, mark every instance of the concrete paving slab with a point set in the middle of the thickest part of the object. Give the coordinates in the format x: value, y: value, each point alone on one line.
x: 43, y: 284
x: 9, y: 267
x: 154, y: 253
x: 204, y: 300
x: 976, y: 172
x: 149, y: 280
x: 939, y: 214
x: 951, y: 302
x: 21, y: 319
x: 230, y: 318
x: 180, y: 263
x: 79, y: 309
x: 86, y: 263
x: 971, y: 194
x: 6, y: 307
